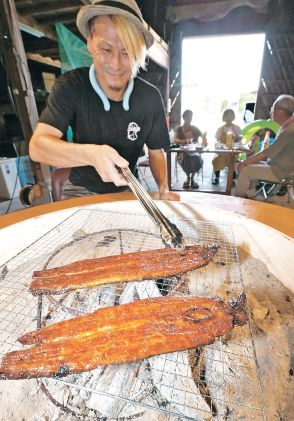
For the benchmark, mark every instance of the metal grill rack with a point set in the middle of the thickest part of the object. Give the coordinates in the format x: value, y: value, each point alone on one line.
x: 216, y: 382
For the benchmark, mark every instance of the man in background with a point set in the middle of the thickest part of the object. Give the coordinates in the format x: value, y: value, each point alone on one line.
x: 277, y: 161
x: 191, y: 162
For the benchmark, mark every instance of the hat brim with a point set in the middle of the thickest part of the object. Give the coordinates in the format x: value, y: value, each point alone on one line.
x: 88, y: 12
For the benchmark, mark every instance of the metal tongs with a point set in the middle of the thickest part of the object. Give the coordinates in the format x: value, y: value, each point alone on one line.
x: 169, y: 232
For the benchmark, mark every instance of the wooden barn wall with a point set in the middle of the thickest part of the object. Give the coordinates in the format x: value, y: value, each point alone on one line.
x: 277, y: 73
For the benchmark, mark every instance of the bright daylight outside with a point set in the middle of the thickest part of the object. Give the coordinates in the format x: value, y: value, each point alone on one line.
x: 219, y: 73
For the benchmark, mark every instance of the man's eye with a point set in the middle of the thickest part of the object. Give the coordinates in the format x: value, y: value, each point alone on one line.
x: 106, y: 50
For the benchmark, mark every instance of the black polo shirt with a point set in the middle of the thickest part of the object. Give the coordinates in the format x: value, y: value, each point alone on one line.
x: 73, y: 102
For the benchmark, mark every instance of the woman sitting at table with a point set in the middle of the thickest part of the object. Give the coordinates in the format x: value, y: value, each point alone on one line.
x: 190, y: 161
x: 227, y: 135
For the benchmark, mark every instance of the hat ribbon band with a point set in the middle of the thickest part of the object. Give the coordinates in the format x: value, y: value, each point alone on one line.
x: 119, y: 5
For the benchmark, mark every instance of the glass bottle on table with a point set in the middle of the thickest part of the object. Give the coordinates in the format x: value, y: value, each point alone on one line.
x: 229, y: 139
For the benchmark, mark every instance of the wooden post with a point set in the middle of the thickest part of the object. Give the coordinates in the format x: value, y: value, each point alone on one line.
x: 18, y: 74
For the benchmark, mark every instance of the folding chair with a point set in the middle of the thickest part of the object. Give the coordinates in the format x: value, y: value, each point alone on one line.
x: 263, y: 188
x: 58, y: 177
x: 272, y: 191
x: 142, y: 168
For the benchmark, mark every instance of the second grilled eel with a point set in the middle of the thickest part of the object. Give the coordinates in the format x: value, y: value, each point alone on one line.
x: 137, y: 266
x: 123, y: 334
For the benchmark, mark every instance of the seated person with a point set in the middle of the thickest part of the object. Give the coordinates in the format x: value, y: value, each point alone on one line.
x: 190, y: 161
x: 279, y: 155
x: 219, y: 162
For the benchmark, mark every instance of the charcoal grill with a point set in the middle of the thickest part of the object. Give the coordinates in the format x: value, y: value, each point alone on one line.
x: 220, y: 381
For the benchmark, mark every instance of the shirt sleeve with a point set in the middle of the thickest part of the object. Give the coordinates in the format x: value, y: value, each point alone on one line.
x: 177, y: 136
x: 237, y: 130
x: 196, y: 133
x: 219, y: 133
x: 59, y: 109
x: 158, y: 136
x: 277, y: 146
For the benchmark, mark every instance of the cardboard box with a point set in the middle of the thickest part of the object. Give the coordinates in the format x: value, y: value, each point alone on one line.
x: 9, y: 179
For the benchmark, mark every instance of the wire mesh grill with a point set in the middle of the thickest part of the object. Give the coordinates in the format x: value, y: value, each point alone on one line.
x: 220, y: 381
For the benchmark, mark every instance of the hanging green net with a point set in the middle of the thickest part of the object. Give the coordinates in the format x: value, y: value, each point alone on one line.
x: 73, y: 53
x: 72, y: 50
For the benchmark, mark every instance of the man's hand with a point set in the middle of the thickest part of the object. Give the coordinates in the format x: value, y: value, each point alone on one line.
x: 241, y: 165
x: 104, y: 158
x: 189, y: 135
x: 168, y: 195
x: 159, y: 171
x: 254, y: 159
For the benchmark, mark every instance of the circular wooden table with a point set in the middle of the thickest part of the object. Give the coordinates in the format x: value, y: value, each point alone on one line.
x: 274, y: 216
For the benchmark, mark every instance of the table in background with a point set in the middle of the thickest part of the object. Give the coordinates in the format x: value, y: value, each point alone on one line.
x: 232, y: 159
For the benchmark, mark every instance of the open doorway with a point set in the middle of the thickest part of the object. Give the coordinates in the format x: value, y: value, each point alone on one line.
x: 220, y: 72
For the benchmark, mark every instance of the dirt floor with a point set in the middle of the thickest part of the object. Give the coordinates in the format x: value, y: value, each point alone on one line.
x: 272, y: 320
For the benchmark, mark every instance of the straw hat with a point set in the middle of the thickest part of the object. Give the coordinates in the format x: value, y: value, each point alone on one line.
x: 127, y: 8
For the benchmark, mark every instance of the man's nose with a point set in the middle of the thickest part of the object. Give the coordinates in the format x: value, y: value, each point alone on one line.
x: 116, y: 61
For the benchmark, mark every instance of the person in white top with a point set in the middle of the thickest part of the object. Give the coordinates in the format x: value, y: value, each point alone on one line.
x: 227, y: 135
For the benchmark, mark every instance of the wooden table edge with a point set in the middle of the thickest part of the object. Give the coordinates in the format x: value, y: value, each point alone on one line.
x: 277, y: 217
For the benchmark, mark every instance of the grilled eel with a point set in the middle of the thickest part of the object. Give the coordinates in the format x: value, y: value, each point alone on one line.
x: 123, y: 334
x: 136, y: 266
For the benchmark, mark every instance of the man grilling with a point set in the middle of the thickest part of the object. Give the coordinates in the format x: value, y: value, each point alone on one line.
x: 111, y: 111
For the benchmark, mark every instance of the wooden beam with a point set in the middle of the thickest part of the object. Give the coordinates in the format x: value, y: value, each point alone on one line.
x: 21, y: 3
x: 44, y: 60
x: 159, y: 50
x: 282, y: 49
x: 31, y: 23
x: 17, y: 68
x: 53, y: 5
x: 39, y: 7
x: 48, y: 52
x: 65, y: 18
x: 279, y: 80
x: 21, y: 85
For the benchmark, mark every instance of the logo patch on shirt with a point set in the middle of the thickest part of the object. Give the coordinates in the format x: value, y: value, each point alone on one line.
x: 133, y: 130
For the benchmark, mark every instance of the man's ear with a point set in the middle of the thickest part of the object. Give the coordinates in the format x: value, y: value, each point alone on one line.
x: 90, y: 44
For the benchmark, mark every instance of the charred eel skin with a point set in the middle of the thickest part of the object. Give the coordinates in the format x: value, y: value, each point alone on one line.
x: 137, y: 266
x: 123, y: 334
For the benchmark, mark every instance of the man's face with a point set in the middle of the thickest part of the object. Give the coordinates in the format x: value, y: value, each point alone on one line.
x: 278, y: 113
x: 110, y: 58
x: 188, y: 118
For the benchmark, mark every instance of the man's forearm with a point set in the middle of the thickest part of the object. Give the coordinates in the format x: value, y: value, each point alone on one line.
x: 158, y: 168
x: 260, y: 156
x: 254, y: 159
x: 47, y: 147
x: 50, y: 150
